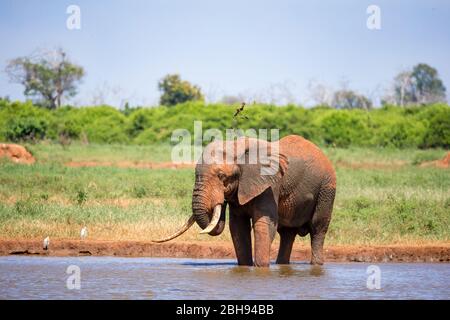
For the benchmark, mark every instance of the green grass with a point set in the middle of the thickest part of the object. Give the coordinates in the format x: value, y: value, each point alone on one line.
x: 391, y: 206
x: 399, y: 204
x: 49, y: 152
x: 383, y: 155
x: 46, y: 152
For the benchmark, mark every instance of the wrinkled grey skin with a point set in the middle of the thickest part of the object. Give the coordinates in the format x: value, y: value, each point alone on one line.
x: 297, y: 200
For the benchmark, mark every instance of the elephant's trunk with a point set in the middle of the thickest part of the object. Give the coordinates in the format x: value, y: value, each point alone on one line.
x: 199, y: 208
x: 212, y: 224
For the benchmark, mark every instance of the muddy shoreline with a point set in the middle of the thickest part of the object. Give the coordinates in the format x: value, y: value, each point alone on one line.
x: 373, y: 253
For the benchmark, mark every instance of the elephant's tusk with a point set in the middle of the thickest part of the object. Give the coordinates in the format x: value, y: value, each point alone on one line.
x: 182, y: 230
x: 214, y: 221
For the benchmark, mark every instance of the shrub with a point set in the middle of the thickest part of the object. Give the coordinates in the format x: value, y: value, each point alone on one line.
x: 437, y: 133
x: 24, y: 122
x: 139, y: 121
x: 400, y: 133
x: 28, y: 129
x: 389, y: 126
x: 342, y: 128
x: 66, y: 124
x: 106, y: 130
x: 101, y: 124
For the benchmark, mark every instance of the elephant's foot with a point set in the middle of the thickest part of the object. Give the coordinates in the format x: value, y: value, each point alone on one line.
x: 316, y: 262
x: 262, y: 255
x: 316, y: 254
x: 283, y: 260
x: 262, y: 264
x: 317, y: 240
x: 245, y: 263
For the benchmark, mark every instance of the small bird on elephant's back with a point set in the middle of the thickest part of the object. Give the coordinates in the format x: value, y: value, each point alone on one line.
x: 289, y: 188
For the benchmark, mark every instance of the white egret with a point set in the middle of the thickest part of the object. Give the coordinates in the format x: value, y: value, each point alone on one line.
x: 46, y: 243
x: 84, y: 232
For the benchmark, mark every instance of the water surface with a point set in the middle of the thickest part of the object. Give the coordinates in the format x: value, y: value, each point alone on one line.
x: 24, y: 277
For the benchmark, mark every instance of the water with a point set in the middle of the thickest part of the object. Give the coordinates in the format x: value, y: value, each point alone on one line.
x: 23, y: 277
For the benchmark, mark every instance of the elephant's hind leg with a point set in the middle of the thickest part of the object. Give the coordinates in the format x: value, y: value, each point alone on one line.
x: 319, y: 224
x: 287, y: 237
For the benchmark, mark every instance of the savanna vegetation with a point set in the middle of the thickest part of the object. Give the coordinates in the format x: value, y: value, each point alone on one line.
x: 383, y: 195
x: 389, y: 126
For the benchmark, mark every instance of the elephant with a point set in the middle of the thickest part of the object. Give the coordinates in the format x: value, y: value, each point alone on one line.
x: 294, y: 199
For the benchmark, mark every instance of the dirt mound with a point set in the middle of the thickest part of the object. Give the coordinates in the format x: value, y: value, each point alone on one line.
x: 443, y: 163
x: 16, y: 153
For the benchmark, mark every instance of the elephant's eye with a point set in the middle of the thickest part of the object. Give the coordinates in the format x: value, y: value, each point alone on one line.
x: 221, y: 176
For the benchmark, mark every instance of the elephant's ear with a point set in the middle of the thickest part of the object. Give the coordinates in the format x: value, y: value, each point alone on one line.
x: 256, y: 178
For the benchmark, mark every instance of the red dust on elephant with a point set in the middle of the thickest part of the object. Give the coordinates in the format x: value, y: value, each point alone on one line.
x: 294, y: 199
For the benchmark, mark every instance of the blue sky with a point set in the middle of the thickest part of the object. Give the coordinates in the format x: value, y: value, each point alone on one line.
x: 229, y: 47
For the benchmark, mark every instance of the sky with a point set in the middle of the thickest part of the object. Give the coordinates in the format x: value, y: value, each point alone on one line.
x: 272, y: 50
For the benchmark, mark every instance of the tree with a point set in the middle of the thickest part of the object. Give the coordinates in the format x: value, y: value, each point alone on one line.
x: 47, y: 76
x: 174, y: 91
x: 319, y: 93
x: 403, y: 88
x: 428, y: 87
x: 422, y: 85
x: 348, y: 99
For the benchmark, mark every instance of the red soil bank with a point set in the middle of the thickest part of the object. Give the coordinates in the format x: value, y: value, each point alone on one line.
x: 378, y: 253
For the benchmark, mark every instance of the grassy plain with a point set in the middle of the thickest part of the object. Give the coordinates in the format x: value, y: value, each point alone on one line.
x: 383, y: 196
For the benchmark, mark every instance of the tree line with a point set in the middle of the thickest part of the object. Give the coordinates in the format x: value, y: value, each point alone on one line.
x: 389, y: 126
x: 50, y: 77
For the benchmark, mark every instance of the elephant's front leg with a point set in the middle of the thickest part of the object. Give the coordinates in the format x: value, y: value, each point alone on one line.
x: 240, y: 229
x: 264, y: 229
x: 265, y: 219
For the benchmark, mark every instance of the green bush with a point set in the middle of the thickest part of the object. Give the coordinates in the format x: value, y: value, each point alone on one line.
x: 437, y: 133
x: 139, y: 120
x: 400, y: 133
x: 26, y: 129
x: 66, y: 124
x: 344, y: 127
x: 101, y: 124
x: 389, y: 126
x: 24, y: 122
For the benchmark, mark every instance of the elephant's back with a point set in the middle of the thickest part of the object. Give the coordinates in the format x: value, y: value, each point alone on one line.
x: 315, y: 160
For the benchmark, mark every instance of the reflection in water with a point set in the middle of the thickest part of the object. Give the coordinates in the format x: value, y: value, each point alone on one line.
x: 240, y: 270
x: 154, y: 278
x: 279, y: 270
x: 317, y: 271
x: 288, y: 270
x: 284, y: 270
